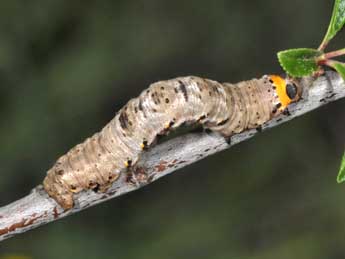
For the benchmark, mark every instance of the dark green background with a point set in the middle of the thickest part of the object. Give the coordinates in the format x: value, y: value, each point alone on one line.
x: 66, y: 67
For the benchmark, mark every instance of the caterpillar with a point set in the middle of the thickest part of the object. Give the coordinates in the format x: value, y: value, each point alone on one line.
x: 221, y: 107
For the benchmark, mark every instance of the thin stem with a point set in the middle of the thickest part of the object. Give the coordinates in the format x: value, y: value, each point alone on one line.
x: 325, y: 59
x: 332, y: 63
x: 329, y: 62
x: 334, y: 54
x: 323, y: 45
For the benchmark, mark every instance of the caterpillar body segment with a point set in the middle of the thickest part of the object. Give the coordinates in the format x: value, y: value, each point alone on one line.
x: 221, y: 107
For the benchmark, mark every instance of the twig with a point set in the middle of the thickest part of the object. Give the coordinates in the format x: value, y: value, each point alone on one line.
x: 37, y: 208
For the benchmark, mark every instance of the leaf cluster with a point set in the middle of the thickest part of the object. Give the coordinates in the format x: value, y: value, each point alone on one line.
x: 308, y: 61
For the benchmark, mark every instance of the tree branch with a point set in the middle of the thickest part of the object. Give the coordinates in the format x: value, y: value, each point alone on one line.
x: 37, y: 208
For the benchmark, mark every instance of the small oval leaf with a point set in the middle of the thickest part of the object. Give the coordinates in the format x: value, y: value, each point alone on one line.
x: 299, y: 62
x: 341, y: 175
x: 337, y: 21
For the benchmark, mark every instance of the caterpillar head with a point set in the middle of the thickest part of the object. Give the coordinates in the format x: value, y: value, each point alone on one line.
x: 287, y: 91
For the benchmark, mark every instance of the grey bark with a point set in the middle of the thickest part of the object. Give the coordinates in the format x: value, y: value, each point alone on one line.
x: 37, y: 208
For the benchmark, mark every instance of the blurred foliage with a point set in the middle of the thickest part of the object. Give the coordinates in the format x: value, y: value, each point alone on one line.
x: 15, y: 257
x: 341, y: 174
x: 66, y: 67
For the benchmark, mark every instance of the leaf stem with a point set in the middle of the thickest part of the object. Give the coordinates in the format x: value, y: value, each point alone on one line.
x: 335, y: 53
x: 325, y: 59
x: 323, y: 45
x: 329, y: 62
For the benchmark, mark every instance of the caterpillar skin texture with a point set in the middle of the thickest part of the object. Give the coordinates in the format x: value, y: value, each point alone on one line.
x: 224, y: 108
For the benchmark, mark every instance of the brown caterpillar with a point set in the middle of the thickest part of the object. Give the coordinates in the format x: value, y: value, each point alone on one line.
x: 225, y: 108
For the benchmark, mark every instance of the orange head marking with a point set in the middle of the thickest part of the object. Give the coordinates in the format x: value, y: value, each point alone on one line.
x: 288, y: 91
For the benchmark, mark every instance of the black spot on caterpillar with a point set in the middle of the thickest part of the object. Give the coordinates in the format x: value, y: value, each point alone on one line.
x: 224, y: 108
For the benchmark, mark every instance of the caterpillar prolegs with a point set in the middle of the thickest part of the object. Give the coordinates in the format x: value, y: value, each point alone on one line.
x: 221, y: 107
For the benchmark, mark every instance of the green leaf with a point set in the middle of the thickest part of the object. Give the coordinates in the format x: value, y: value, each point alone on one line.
x: 341, y: 175
x: 299, y: 62
x: 337, y: 21
x: 339, y: 67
